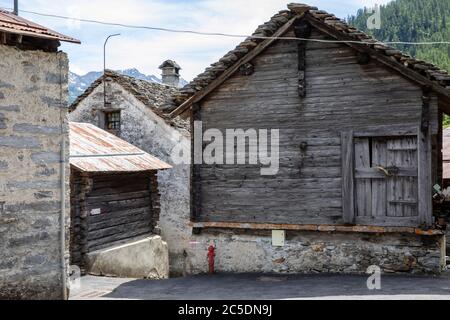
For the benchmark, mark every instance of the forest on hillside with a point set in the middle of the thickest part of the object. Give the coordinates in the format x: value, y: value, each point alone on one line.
x: 413, y: 21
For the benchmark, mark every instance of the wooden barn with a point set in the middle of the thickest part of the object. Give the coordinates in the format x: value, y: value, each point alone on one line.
x: 114, y: 191
x: 360, y: 140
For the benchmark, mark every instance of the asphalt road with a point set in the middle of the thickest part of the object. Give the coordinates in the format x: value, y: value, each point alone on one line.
x: 258, y: 286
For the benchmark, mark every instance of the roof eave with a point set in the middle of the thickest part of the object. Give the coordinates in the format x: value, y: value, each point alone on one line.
x: 39, y: 36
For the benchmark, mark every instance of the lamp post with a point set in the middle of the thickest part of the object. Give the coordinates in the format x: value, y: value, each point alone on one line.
x: 16, y: 7
x: 104, y: 66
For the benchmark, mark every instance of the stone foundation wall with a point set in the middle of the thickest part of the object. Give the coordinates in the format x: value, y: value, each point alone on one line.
x: 33, y: 108
x: 309, y: 252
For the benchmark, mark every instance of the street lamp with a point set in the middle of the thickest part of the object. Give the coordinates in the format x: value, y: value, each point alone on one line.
x: 104, y: 66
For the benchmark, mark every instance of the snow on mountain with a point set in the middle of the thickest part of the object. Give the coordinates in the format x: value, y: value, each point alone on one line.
x: 78, y: 84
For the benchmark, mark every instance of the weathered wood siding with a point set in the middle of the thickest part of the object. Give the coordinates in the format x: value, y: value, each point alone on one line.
x: 341, y: 95
x: 128, y: 205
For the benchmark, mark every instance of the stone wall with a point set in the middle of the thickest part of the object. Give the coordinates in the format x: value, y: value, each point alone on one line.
x: 312, y: 251
x: 33, y: 109
x: 142, y: 128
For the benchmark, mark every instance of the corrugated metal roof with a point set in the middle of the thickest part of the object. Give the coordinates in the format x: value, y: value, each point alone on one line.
x: 11, y: 23
x: 95, y: 150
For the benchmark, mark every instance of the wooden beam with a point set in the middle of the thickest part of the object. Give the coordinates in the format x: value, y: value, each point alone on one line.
x: 386, y: 60
x: 195, y: 184
x: 2, y: 38
x: 385, y: 132
x: 348, y: 192
x: 425, y: 181
x: 425, y: 118
x: 444, y: 105
x: 439, y: 148
x: 315, y: 227
x: 230, y: 71
x: 302, y: 29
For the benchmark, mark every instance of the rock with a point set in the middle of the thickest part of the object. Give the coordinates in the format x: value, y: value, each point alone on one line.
x: 143, y: 259
x: 300, y: 8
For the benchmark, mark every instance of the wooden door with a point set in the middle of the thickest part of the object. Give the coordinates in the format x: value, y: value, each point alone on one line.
x: 386, y: 179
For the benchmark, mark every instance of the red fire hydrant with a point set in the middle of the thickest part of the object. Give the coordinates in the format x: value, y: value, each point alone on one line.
x: 211, y: 256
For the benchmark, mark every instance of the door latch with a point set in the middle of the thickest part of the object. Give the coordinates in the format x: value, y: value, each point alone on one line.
x: 388, y: 171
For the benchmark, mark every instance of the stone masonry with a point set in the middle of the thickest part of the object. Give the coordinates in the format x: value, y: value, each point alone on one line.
x: 312, y: 251
x: 33, y: 126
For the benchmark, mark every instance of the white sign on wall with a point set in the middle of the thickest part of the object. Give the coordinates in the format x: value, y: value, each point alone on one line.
x: 96, y: 212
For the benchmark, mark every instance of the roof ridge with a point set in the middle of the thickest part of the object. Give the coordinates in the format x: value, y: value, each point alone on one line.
x: 147, y: 92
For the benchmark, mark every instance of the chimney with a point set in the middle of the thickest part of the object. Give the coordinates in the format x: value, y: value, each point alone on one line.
x: 170, y: 73
x: 16, y: 7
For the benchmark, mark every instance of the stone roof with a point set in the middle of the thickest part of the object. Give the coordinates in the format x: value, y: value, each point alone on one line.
x: 170, y: 64
x: 157, y: 97
x: 340, y: 28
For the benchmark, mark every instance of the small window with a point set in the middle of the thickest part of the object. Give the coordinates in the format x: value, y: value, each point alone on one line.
x: 112, y: 120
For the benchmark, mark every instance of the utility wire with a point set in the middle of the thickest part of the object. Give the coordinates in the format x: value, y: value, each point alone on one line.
x: 116, y: 24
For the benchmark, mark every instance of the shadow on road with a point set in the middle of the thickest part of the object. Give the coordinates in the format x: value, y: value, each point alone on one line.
x: 253, y: 286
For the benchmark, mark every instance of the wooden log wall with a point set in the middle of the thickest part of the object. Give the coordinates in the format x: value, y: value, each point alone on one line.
x: 80, y: 186
x: 342, y: 95
x: 110, y: 208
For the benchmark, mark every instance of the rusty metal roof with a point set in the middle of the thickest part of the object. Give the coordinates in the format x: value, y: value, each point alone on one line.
x: 11, y: 23
x: 95, y: 150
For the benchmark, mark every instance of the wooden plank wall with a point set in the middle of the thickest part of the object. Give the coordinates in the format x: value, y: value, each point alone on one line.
x: 129, y: 206
x: 341, y: 95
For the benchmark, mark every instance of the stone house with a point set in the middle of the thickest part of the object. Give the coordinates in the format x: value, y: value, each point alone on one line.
x: 34, y: 166
x: 136, y: 111
x: 114, y: 200
x: 358, y: 129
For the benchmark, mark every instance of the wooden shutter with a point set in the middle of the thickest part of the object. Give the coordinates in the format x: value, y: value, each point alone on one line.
x: 386, y: 178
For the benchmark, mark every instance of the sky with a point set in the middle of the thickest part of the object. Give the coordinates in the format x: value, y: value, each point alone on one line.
x: 146, y: 49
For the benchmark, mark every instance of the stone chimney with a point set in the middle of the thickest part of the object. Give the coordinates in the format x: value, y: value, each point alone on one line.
x: 170, y: 73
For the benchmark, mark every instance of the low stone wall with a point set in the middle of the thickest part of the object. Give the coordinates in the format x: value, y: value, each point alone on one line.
x: 146, y: 259
x: 309, y: 252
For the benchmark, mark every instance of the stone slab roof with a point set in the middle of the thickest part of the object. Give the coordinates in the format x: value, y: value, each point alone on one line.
x: 341, y: 30
x: 157, y: 97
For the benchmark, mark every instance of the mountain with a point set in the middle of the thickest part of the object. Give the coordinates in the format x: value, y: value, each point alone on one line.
x: 413, y: 21
x: 78, y: 84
